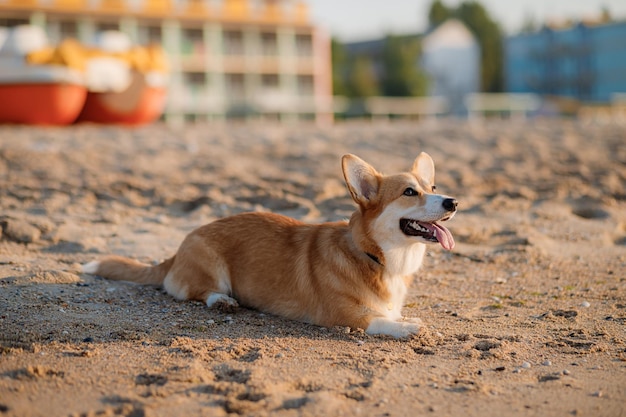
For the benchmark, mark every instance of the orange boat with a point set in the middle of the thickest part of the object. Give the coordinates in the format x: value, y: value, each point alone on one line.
x: 41, y: 104
x: 36, y: 94
x: 139, y: 104
x: 126, y: 83
x: 114, y: 82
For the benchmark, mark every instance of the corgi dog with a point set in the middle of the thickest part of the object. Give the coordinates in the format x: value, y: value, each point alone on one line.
x: 350, y: 273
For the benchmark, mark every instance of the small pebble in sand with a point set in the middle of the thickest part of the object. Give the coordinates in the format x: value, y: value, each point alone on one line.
x: 526, y: 365
x: 162, y: 219
x: 566, y: 372
x: 546, y: 363
x: 597, y: 394
x: 585, y: 304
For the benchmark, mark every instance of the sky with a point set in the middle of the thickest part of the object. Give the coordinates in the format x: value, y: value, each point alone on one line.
x: 353, y: 20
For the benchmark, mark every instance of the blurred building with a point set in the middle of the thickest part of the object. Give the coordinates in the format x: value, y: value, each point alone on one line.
x: 585, y: 62
x: 451, y: 57
x: 229, y: 58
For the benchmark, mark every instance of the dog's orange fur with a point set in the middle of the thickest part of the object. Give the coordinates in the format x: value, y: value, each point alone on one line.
x: 327, y: 274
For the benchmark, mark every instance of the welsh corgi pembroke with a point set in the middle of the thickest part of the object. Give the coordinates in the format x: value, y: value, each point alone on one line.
x: 350, y: 273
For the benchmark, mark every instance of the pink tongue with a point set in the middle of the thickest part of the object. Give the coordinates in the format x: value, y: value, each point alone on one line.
x: 444, y: 236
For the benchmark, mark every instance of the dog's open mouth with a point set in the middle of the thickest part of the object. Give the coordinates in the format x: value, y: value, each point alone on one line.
x: 432, y: 232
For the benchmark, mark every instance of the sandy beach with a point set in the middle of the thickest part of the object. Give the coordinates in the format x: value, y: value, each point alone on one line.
x: 525, y: 317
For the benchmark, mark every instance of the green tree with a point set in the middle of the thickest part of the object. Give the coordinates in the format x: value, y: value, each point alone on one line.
x: 489, y: 36
x: 401, y: 75
x: 339, y: 60
x: 361, y: 80
x: 438, y: 13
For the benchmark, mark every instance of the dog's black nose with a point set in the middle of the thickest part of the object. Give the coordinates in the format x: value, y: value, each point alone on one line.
x: 450, y: 204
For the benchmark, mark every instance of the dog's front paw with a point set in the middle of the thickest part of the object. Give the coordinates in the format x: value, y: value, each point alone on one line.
x: 394, y: 328
x: 222, y: 302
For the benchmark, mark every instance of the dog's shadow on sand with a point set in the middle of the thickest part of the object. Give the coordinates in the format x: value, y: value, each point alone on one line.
x: 83, y: 310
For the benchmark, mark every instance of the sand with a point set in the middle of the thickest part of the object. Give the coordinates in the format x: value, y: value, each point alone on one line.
x: 525, y: 317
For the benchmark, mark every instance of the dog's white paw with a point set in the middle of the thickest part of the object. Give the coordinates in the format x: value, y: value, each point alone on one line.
x: 221, y: 301
x: 394, y: 328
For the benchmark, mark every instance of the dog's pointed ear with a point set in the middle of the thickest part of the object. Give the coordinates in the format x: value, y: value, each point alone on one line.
x: 424, y: 168
x: 362, y: 179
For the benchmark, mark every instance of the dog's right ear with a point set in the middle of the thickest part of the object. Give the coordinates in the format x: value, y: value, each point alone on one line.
x: 362, y: 179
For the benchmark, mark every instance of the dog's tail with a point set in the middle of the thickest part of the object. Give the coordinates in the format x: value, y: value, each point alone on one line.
x: 124, y: 269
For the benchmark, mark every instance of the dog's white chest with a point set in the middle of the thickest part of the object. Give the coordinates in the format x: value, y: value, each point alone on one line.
x: 400, y: 263
x: 397, y: 289
x: 403, y: 261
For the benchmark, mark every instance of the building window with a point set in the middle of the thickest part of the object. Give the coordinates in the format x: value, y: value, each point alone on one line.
x: 305, y: 85
x: 68, y: 29
x: 269, y: 80
x: 150, y: 35
x: 235, y: 85
x: 102, y: 26
x: 193, y: 41
x: 154, y: 34
x: 269, y: 44
x: 304, y: 45
x: 233, y: 43
x: 13, y: 22
x: 195, y: 80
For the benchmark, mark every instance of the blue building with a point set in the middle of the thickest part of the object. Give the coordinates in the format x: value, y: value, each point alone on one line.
x: 583, y: 62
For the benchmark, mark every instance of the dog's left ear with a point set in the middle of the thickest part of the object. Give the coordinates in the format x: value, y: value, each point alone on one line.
x: 361, y: 178
x: 424, y: 167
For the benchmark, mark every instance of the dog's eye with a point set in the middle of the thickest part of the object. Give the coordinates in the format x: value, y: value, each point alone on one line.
x: 410, y: 192
x: 433, y: 188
